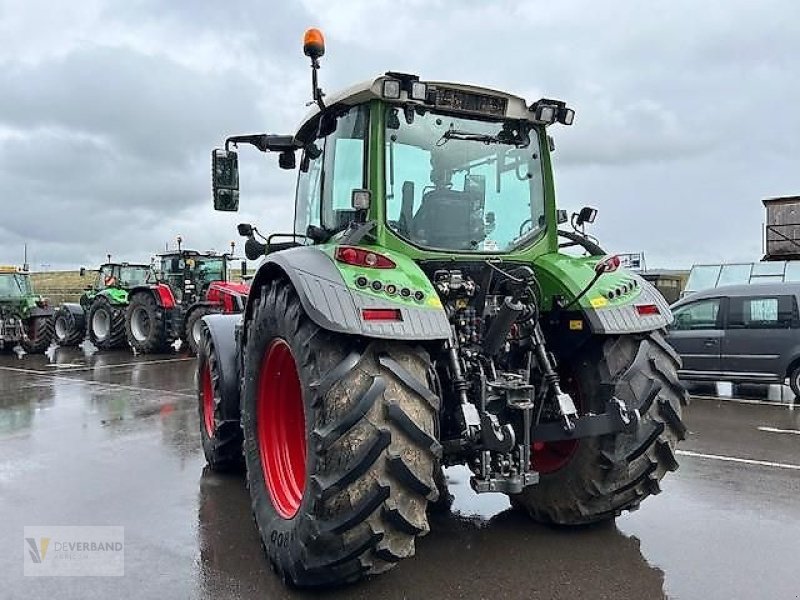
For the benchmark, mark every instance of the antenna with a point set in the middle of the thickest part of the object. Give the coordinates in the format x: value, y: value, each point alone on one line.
x: 314, y: 48
x: 25, y: 266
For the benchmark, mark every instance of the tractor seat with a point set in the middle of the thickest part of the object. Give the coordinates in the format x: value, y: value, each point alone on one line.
x: 448, y: 219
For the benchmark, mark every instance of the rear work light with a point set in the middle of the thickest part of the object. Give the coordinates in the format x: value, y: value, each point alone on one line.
x: 381, y: 314
x: 647, y: 310
x: 359, y: 257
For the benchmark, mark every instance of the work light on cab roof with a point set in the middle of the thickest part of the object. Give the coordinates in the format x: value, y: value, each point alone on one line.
x: 427, y: 310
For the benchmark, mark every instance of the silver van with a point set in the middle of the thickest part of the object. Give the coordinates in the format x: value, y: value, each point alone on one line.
x: 739, y: 333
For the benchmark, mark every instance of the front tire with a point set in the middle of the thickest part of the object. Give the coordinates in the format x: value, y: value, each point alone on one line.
x: 145, y: 325
x: 220, y: 429
x: 192, y: 333
x: 339, y: 444
x: 595, y: 479
x: 106, y: 324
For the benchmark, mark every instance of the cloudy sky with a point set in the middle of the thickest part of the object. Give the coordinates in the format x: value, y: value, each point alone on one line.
x: 687, y: 112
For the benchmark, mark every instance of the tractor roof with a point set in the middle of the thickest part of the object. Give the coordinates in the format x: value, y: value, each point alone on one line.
x: 125, y: 264
x: 507, y: 106
x: 191, y: 254
x: 12, y: 270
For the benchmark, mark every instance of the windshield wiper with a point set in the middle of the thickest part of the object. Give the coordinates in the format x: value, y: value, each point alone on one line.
x: 502, y: 138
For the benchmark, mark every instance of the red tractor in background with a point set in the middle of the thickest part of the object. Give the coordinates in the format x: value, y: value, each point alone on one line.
x: 190, y: 285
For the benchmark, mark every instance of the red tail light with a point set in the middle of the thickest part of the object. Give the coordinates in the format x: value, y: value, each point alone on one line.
x: 360, y: 257
x: 381, y: 314
x: 647, y: 310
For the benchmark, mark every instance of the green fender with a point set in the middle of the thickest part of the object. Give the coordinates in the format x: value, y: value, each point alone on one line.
x: 115, y: 296
x: 610, y: 305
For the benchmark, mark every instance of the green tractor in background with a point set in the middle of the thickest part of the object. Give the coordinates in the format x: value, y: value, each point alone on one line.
x: 25, y: 317
x: 422, y: 314
x: 100, y: 311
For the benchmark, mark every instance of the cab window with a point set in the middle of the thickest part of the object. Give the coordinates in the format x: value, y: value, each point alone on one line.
x: 702, y: 314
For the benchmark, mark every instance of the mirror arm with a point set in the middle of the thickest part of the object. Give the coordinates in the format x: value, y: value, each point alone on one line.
x: 264, y: 142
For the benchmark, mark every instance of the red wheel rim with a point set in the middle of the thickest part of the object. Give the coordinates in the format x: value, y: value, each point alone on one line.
x: 281, y: 429
x: 548, y: 457
x: 207, y: 392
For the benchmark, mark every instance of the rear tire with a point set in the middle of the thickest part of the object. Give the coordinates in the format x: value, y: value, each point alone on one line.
x: 40, y: 333
x: 145, y: 325
x: 192, y: 333
x: 360, y: 417
x: 605, y: 475
x: 220, y: 428
x: 67, y: 331
x: 106, y: 324
x: 794, y: 382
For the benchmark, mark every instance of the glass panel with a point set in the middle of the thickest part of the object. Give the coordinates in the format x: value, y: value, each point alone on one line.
x: 132, y: 276
x: 309, y: 184
x: 792, y: 271
x: 462, y: 184
x: 703, y: 277
x: 761, y: 312
x: 767, y: 279
x: 769, y: 268
x: 698, y: 315
x: 735, y: 274
x: 344, y: 169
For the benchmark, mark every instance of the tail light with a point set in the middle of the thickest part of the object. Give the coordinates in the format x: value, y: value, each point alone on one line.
x: 381, y: 314
x: 647, y: 310
x: 359, y: 257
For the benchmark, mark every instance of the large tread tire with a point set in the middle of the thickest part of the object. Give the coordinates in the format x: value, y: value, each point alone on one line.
x: 221, y: 433
x: 39, y: 332
x: 67, y: 331
x: 612, y: 473
x: 189, y: 339
x: 115, y: 338
x: 148, y: 336
x: 371, y: 451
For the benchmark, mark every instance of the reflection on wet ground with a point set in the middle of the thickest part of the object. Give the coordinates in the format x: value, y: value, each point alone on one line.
x: 112, y: 439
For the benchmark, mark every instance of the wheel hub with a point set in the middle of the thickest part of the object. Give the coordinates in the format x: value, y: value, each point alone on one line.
x: 101, y: 324
x: 281, y: 429
x: 140, y: 324
x: 61, y: 328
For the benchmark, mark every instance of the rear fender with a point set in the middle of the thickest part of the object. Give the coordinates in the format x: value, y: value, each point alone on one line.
x: 609, y: 306
x: 222, y: 329
x: 40, y: 311
x: 115, y: 296
x: 161, y: 292
x: 336, y: 304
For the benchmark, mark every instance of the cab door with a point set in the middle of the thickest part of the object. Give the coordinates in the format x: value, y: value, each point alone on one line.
x: 697, y: 335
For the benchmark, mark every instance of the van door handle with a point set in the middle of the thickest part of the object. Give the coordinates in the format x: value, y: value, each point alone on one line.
x: 709, y: 342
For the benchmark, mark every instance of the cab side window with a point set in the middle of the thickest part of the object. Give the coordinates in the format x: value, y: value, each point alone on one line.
x: 762, y: 312
x: 703, y: 314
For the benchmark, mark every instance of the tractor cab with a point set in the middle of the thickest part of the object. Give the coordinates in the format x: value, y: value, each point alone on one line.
x: 15, y: 285
x: 123, y: 276
x: 189, y: 273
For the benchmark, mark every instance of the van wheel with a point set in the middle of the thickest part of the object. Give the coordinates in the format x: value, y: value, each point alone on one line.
x: 794, y: 381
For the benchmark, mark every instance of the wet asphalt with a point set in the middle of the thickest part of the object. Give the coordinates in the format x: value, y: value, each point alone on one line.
x: 112, y: 439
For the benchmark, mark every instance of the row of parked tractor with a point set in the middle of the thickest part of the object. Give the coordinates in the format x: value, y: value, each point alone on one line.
x: 146, y: 307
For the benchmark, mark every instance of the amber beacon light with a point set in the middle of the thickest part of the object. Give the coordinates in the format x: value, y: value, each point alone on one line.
x: 313, y: 43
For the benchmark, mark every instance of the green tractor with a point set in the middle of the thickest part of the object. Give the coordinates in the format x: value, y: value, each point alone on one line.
x: 425, y: 312
x: 100, y: 312
x: 25, y: 318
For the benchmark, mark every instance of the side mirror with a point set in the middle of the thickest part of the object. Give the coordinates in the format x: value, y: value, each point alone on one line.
x: 244, y: 229
x: 254, y: 249
x: 587, y: 215
x: 225, y: 179
x: 83, y: 272
x: 561, y: 216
